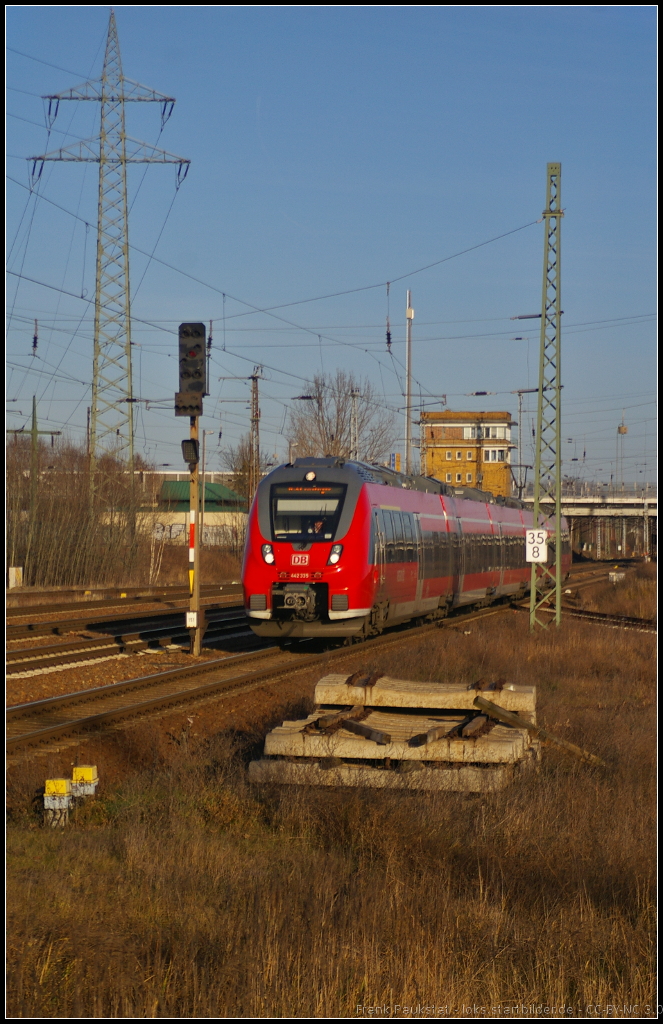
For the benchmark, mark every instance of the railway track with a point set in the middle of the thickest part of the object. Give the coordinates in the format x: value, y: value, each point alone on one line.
x: 165, y: 596
x: 91, y: 623
x: 134, y: 635
x: 616, y: 621
x: 221, y: 627
x: 58, y: 718
x: 30, y: 725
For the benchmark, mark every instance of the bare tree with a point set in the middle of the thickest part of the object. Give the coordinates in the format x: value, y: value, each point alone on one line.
x: 322, y: 424
x: 60, y: 533
x: 237, y: 458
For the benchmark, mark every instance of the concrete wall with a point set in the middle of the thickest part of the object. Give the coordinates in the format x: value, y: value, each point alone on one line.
x: 219, y: 528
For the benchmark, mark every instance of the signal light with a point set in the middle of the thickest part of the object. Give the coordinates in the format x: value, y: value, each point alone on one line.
x: 268, y: 554
x: 192, y: 369
x: 190, y: 452
x: 188, y: 405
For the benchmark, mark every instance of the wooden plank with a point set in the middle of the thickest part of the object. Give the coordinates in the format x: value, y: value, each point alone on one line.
x: 541, y: 734
x: 479, y: 726
x: 374, y: 735
x: 336, y: 720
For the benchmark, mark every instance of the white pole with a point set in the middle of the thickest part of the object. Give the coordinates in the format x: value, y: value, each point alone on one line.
x: 409, y: 315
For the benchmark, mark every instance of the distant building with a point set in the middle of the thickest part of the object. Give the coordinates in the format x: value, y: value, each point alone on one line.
x: 468, y: 449
x: 174, y: 496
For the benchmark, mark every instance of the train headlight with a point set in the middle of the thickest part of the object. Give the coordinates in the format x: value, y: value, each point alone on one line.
x: 268, y: 554
x: 335, y: 554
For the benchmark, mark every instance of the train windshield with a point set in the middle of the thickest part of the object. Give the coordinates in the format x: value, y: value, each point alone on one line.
x: 305, y: 513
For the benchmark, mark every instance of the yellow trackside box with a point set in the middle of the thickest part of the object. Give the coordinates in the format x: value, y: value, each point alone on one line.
x: 86, y: 773
x: 57, y: 787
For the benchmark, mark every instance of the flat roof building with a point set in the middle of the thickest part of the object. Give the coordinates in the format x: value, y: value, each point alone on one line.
x: 468, y: 449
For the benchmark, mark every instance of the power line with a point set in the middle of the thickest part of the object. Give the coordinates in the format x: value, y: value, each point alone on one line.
x: 393, y: 280
x: 37, y: 125
x: 48, y: 65
x: 269, y: 309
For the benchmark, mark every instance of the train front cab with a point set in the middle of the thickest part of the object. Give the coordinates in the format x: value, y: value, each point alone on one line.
x: 306, y: 571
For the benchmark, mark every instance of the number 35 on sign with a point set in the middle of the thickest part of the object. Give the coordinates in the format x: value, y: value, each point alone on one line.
x: 536, y: 545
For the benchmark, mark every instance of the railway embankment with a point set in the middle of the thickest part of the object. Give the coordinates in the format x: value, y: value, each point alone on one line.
x: 244, y: 901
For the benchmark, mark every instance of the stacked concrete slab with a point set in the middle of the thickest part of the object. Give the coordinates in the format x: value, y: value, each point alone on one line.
x: 376, y: 731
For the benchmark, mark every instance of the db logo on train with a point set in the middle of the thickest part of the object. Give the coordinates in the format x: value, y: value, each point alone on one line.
x: 299, y: 560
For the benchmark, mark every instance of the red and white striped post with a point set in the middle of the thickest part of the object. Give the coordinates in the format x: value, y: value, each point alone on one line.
x: 193, y: 619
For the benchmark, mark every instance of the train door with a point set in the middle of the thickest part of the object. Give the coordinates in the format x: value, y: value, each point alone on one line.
x: 379, y: 554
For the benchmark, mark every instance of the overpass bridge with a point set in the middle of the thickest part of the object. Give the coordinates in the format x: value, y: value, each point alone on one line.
x: 612, y: 526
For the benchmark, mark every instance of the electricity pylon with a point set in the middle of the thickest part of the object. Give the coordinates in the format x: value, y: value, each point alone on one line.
x: 546, y: 580
x: 111, y: 426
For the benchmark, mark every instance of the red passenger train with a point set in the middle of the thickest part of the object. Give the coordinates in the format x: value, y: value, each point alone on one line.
x: 337, y: 548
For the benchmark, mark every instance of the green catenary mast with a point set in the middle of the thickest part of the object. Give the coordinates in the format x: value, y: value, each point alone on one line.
x: 548, y: 457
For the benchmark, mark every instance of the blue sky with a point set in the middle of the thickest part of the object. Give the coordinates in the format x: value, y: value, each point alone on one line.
x: 338, y: 147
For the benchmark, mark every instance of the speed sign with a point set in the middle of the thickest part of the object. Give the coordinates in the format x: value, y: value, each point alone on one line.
x: 536, y: 545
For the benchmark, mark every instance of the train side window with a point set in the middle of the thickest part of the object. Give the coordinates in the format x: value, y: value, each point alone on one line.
x: 431, y: 555
x: 399, y: 555
x: 409, y: 554
x: 434, y: 556
x: 447, y: 555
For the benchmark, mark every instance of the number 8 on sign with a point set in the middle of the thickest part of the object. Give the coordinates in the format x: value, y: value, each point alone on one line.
x: 536, y: 545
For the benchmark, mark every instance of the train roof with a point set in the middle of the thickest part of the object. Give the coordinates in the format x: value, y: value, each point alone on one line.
x: 377, y: 474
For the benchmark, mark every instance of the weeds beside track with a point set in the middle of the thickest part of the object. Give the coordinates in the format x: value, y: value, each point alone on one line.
x: 185, y: 892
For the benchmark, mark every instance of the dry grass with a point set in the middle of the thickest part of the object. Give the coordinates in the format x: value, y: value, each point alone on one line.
x: 635, y: 595
x: 188, y: 893
x: 216, y: 564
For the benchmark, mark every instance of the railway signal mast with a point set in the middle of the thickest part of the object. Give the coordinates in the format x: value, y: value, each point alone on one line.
x: 189, y: 402
x: 111, y: 427
x: 546, y: 580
